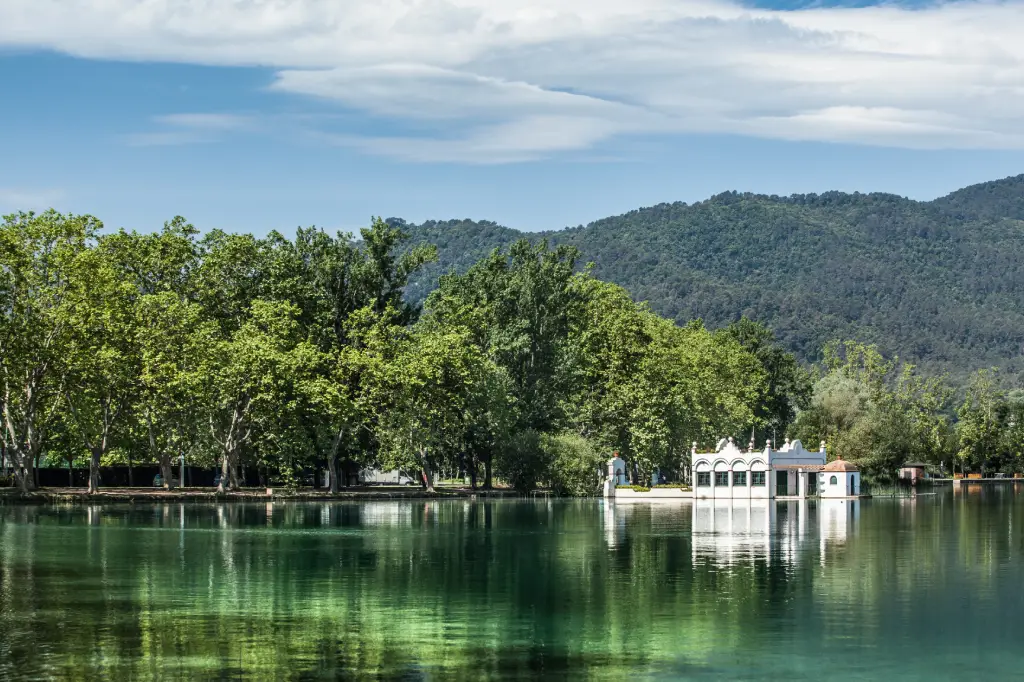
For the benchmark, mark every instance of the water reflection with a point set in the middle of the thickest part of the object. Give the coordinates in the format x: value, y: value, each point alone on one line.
x: 726, y: 532
x: 389, y: 513
x: 512, y: 590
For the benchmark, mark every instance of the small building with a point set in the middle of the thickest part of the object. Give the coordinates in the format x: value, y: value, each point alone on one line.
x: 729, y: 472
x: 913, y: 471
x: 617, y: 471
x: 840, y: 479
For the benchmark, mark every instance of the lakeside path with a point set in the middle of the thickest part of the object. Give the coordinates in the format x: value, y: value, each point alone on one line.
x: 81, y: 495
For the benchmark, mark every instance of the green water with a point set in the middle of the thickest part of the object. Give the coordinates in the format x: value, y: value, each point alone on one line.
x: 926, y: 589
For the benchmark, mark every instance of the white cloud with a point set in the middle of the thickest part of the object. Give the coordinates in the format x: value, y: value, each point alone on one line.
x: 487, y: 81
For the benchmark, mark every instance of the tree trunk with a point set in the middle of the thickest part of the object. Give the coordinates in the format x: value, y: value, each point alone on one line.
x: 332, y: 468
x: 472, y: 471
x: 71, y: 475
x: 332, y: 459
x: 487, y: 471
x: 428, y: 475
x: 35, y: 468
x: 131, y: 470
x: 21, y: 465
x: 24, y: 478
x: 229, y: 469
x: 225, y: 472
x: 231, y: 446
x: 20, y: 460
x: 161, y: 457
x: 166, y: 471
x: 94, y: 471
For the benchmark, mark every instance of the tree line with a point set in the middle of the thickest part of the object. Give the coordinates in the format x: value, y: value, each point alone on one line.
x: 881, y: 414
x: 292, y: 355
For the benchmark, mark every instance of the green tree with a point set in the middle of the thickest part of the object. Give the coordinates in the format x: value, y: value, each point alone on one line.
x: 40, y: 259
x: 174, y: 342
x: 172, y: 332
x: 424, y: 398
x: 980, y: 427
x: 249, y: 376
x: 874, y: 415
x: 787, y: 387
x: 101, y: 353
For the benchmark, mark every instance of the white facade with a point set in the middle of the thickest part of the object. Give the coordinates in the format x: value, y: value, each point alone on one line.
x: 731, y: 473
x: 839, y: 482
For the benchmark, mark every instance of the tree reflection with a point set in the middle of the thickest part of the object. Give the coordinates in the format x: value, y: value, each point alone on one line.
x: 474, y: 590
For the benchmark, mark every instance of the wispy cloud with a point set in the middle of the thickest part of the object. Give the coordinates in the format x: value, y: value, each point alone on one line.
x: 505, y: 81
x: 190, y: 128
x: 25, y: 199
x: 215, y: 122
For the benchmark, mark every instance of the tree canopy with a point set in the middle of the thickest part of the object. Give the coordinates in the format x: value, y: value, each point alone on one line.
x: 291, y: 356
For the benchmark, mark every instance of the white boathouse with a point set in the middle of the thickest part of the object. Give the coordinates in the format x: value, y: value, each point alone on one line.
x: 732, y: 473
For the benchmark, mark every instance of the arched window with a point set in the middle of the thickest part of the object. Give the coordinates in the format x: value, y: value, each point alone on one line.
x: 833, y: 481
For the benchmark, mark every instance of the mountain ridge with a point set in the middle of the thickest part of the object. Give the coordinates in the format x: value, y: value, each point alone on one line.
x: 939, y: 283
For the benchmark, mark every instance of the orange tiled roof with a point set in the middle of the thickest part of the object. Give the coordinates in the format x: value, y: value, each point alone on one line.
x: 841, y: 465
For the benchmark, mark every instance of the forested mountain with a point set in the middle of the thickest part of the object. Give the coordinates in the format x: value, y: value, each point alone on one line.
x: 938, y: 283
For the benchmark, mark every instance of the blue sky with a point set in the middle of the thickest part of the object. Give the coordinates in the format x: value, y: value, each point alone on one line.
x: 271, y: 114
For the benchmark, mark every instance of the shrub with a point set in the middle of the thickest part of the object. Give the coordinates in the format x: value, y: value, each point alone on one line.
x: 577, y: 466
x: 635, y: 488
x: 522, y: 461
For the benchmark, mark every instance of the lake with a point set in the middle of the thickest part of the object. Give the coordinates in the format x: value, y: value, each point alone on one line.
x: 920, y: 589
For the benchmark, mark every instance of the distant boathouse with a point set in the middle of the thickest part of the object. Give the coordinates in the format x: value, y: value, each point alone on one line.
x: 791, y: 472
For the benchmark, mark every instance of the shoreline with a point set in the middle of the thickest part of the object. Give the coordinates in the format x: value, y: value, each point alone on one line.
x: 206, y: 495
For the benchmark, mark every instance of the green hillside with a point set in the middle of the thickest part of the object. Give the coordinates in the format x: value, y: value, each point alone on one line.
x: 939, y: 283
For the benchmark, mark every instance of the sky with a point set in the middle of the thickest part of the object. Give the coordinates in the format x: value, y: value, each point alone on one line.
x: 252, y: 115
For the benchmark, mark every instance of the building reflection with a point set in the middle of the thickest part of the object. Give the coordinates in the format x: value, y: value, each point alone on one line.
x: 389, y: 513
x: 838, y: 521
x: 727, y: 532
x: 614, y: 525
